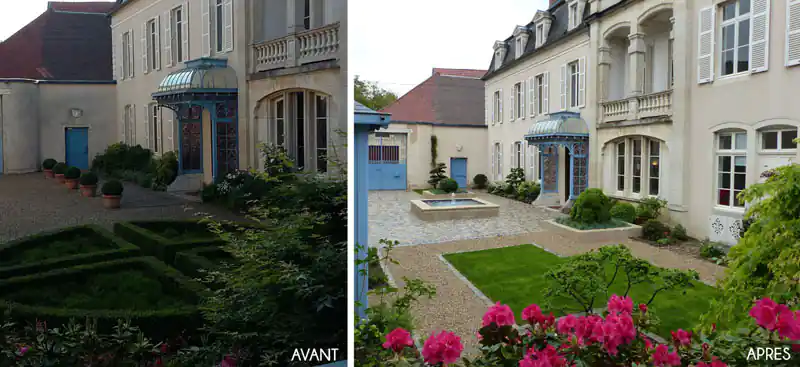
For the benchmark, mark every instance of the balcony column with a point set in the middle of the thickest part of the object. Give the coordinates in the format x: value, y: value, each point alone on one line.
x: 294, y: 24
x: 603, y: 71
x: 636, y: 53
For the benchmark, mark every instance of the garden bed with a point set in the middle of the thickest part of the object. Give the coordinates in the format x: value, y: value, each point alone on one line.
x: 156, y: 297
x: 691, y: 248
x: 515, y: 276
x: 163, y: 239
x: 612, y: 231
x: 57, y: 249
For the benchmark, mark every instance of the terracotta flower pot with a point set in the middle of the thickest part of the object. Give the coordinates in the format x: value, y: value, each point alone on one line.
x: 72, y: 184
x: 111, y: 201
x: 60, y: 178
x: 48, y: 173
x: 89, y: 191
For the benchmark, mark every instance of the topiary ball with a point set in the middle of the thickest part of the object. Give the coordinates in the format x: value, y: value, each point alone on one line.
x: 88, y: 179
x: 591, y: 206
x: 448, y: 185
x: 49, y: 163
x: 480, y: 181
x: 113, y: 188
x: 72, y: 173
x: 625, y: 212
x: 60, y: 168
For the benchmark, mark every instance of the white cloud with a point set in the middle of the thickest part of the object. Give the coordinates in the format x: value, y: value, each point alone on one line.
x: 397, y: 43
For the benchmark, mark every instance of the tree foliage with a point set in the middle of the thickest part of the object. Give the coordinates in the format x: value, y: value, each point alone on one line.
x: 371, y: 95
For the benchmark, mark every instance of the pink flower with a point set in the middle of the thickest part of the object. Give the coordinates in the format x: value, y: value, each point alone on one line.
x: 616, y: 331
x: 619, y: 304
x: 498, y: 314
x: 715, y: 362
x: 682, y: 337
x: 397, y: 340
x: 662, y: 357
x: 547, y: 357
x: 22, y: 351
x: 533, y: 314
x: 788, y: 324
x: 444, y: 348
x: 567, y: 324
x: 766, y: 312
x: 643, y: 308
x: 228, y: 361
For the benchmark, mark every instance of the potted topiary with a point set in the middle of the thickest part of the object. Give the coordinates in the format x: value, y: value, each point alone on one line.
x: 448, y: 185
x: 71, y: 177
x: 58, y: 171
x: 88, y: 184
x: 47, y: 167
x: 112, y: 194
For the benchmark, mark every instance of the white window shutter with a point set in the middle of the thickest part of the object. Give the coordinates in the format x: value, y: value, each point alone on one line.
x: 705, y: 46
x: 206, y: 21
x: 523, y: 85
x: 121, y: 64
x: 131, y: 53
x: 501, y: 106
x: 227, y: 22
x: 531, y: 97
x: 513, y: 95
x: 133, y: 125
x: 113, y: 59
x: 582, y: 82
x: 144, y: 49
x: 494, y: 161
x: 157, y: 45
x: 563, y: 87
x: 759, y: 36
x: 185, y: 31
x: 500, y: 161
x: 146, y: 117
x: 168, y: 37
x: 792, y: 32
x: 494, y: 108
x: 546, y: 97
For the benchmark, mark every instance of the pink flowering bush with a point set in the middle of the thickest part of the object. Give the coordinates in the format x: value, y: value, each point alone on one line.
x: 615, y: 338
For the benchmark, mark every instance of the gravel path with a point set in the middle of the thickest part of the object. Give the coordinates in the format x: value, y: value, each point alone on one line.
x: 30, y: 204
x: 457, y: 308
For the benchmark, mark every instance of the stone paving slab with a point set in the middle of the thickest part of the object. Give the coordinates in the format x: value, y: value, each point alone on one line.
x: 30, y: 204
x: 390, y: 218
x: 458, y: 308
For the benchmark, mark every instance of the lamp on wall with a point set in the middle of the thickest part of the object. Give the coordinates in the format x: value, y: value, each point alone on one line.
x: 76, y: 113
x: 459, y: 147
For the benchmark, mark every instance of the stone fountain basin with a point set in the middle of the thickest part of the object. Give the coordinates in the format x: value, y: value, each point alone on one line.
x: 453, y: 208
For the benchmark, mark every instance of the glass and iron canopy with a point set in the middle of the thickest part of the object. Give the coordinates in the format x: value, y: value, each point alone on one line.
x: 201, y: 79
x: 558, y: 127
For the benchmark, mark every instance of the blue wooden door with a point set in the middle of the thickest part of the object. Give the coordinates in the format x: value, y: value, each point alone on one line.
x: 77, y: 144
x: 387, y: 162
x: 458, y: 171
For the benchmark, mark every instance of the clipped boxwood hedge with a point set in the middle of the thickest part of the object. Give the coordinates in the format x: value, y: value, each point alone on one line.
x: 190, y: 262
x: 153, y: 244
x: 117, y: 249
x: 157, y: 323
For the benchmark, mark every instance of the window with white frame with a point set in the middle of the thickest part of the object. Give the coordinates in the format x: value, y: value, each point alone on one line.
x: 306, y: 14
x: 636, y: 166
x: 779, y: 140
x: 155, y: 126
x: 620, y: 166
x: 127, y: 54
x: 219, y: 27
x: 153, y: 45
x: 735, y: 37
x: 574, y: 19
x: 497, y: 107
x: 497, y: 162
x: 539, y: 89
x: 178, y: 26
x: 731, y: 157
x: 129, y: 125
x: 300, y: 123
x: 321, y: 116
x: 540, y: 35
x: 654, y: 162
x: 519, y: 158
x: 573, y: 69
x: 518, y: 50
x: 279, y: 120
x: 533, y: 174
x: 519, y: 101
x: 671, y: 63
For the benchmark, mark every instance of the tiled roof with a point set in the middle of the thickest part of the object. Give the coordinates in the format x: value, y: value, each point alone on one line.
x: 454, y: 97
x: 82, y: 7
x: 61, y: 45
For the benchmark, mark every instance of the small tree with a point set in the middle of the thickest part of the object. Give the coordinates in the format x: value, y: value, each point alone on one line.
x: 516, y: 177
x: 437, y: 174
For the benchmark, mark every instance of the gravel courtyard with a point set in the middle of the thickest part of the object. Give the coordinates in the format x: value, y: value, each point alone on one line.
x: 30, y: 204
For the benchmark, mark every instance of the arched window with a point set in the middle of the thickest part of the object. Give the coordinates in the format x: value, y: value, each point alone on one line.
x: 300, y: 123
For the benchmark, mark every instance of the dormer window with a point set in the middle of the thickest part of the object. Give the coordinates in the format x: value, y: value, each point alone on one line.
x: 499, y: 54
x: 575, y: 12
x: 520, y: 40
x: 542, y: 21
x: 539, y: 35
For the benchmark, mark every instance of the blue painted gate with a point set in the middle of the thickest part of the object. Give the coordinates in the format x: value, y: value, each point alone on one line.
x: 387, y: 161
x: 77, y: 147
x: 458, y: 171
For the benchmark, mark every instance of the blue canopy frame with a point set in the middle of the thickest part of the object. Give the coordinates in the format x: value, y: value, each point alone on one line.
x: 568, y: 130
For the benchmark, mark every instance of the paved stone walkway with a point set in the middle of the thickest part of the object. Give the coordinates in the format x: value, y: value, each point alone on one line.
x: 30, y: 204
x: 389, y: 218
x: 457, y: 308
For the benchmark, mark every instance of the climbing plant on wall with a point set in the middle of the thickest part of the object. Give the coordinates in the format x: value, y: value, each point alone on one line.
x: 434, y: 148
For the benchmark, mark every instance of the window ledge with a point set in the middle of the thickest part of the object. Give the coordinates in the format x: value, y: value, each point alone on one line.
x: 729, y: 210
x: 786, y: 152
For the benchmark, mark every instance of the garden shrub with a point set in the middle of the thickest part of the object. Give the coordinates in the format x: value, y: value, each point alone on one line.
x: 480, y: 180
x: 654, y: 230
x: 528, y: 191
x: 712, y: 250
x: 163, y: 248
x: 448, y: 185
x: 120, y: 157
x: 208, y: 193
x: 591, y: 206
x: 650, y: 208
x: 88, y: 179
x: 72, y: 173
x: 197, y: 262
x: 60, y: 168
x: 165, y: 170
x: 437, y: 175
x: 49, y: 163
x: 112, y: 188
x: 679, y: 233
x: 515, y: 178
x: 623, y: 211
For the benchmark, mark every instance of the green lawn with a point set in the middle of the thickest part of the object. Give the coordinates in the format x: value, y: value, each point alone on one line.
x: 515, y: 276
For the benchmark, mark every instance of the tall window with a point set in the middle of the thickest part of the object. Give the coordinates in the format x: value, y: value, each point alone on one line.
x: 636, y: 163
x: 539, y: 93
x: 573, y: 16
x: 497, y: 107
x: 498, y: 162
x: 735, y: 43
x: 152, y: 45
x: 671, y: 63
x: 621, y: 166
x: 654, y: 161
x: 129, y: 127
x: 127, y: 54
x: 218, y: 25
x: 155, y: 126
x: 533, y: 173
x: 280, y: 122
x: 779, y: 140
x: 539, y: 35
x: 518, y: 157
x: 322, y: 133
x: 519, y: 101
x: 574, y: 79
x: 307, y: 14
x: 177, y: 34
x: 299, y: 124
x: 731, y: 168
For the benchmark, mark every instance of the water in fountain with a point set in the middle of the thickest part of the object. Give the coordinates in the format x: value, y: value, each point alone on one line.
x: 453, y: 198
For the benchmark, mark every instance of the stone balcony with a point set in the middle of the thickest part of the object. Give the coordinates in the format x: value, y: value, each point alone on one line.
x: 297, y: 49
x: 634, y: 108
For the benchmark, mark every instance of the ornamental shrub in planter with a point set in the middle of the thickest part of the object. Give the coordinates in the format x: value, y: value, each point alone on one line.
x: 47, y: 167
x: 591, y: 206
x: 71, y: 177
x: 448, y: 185
x: 480, y: 180
x: 112, y: 194
x: 58, y: 170
x: 624, y: 212
x: 88, y: 183
x: 653, y: 230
